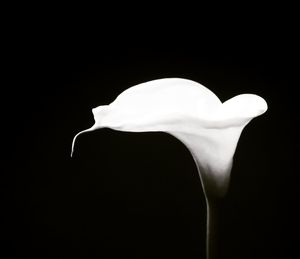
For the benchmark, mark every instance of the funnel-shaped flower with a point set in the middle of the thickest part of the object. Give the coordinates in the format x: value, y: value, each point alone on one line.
x: 193, y: 114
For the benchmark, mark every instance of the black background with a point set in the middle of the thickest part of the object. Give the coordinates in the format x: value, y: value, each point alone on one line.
x: 129, y: 195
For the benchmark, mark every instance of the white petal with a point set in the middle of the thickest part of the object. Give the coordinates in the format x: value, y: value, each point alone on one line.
x: 241, y: 108
x: 163, y: 98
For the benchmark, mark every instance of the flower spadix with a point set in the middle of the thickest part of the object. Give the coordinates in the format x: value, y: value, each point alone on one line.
x: 190, y: 112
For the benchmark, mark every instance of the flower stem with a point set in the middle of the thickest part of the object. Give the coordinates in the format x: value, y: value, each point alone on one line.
x: 211, y: 230
x: 213, y: 197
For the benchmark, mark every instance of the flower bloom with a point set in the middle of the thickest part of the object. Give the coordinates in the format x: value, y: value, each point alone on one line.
x: 193, y: 114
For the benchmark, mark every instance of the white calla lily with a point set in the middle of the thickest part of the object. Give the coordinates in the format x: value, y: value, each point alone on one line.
x: 193, y: 114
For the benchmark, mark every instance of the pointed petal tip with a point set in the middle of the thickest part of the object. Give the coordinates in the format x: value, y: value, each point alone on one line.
x: 79, y: 133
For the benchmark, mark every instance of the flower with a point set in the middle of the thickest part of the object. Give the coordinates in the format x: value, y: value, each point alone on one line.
x: 193, y: 114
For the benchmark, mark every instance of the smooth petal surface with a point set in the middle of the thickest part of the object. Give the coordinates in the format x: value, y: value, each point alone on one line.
x: 191, y: 113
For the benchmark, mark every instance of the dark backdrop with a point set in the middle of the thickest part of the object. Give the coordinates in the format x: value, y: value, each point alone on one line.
x: 129, y: 195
